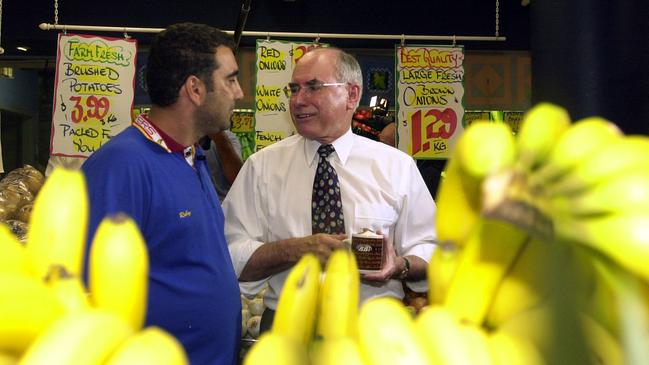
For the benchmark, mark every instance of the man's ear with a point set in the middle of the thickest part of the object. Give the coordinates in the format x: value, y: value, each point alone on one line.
x: 195, y: 89
x: 354, y: 96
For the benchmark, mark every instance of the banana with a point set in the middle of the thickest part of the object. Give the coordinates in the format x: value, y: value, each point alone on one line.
x: 8, y: 359
x: 440, y: 271
x: 535, y: 324
x: 533, y: 279
x: 27, y: 307
x: 486, y: 148
x: 119, y: 268
x: 338, y: 313
x: 583, y: 138
x: 477, y: 345
x: 152, y: 345
x: 541, y: 127
x: 443, y: 339
x: 618, y: 157
x: 603, y: 346
x: 340, y: 350
x: 13, y: 255
x: 619, y: 306
x: 487, y: 256
x: 483, y: 149
x: 512, y: 350
x: 68, y: 289
x: 622, y: 237
x: 85, y: 337
x: 58, y: 223
x: 458, y: 200
x: 603, y: 305
x: 625, y: 193
x: 387, y: 334
x: 298, y: 301
x: 275, y: 349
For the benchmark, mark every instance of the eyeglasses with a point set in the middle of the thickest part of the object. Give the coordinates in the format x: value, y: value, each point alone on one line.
x: 309, y: 89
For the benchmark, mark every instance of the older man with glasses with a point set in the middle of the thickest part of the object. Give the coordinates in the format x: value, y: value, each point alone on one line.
x: 308, y: 192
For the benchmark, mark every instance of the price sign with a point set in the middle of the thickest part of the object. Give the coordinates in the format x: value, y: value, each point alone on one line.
x: 93, y: 94
x: 429, y: 100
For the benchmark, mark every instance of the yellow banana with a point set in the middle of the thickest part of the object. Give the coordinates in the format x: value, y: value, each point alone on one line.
x: 507, y: 349
x: 13, y: 256
x: 483, y: 149
x: 458, y: 204
x: 85, y: 337
x: 524, y: 286
x: 387, y: 334
x: 440, y: 271
x: 68, y: 289
x: 541, y: 127
x: 8, y: 359
x: 603, y: 346
x: 583, y: 138
x: 58, y: 223
x: 624, y: 193
x: 622, y: 237
x: 486, y: 148
x: 152, y: 345
x: 532, y: 279
x: 603, y: 304
x: 27, y: 307
x: 119, y: 268
x: 339, y: 297
x: 296, y: 309
x: 477, y: 345
x: 487, y: 256
x: 443, y: 339
x: 336, y: 351
x: 275, y: 349
x: 618, y: 157
x: 535, y: 324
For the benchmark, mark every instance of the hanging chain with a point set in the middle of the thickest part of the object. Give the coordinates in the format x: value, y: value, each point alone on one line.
x: 56, y: 12
x: 1, y: 49
x: 497, y: 18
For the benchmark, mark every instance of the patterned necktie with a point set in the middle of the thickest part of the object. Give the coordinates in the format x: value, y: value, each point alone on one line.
x: 326, y: 205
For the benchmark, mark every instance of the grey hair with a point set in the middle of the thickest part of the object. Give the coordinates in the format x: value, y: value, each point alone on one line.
x: 348, y: 69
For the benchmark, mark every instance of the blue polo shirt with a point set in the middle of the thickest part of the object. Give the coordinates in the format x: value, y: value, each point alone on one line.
x: 193, y: 290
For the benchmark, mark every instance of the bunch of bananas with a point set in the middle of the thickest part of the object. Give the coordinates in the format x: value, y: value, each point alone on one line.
x: 48, y: 316
x: 317, y: 315
x: 550, y: 236
x: 542, y: 259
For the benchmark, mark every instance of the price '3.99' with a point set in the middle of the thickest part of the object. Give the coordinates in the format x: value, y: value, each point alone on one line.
x: 94, y: 108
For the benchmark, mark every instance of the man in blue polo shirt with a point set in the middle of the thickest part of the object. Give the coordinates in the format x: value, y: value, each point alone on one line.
x: 155, y: 171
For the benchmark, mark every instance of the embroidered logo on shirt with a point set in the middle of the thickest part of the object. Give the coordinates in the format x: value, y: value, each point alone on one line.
x: 185, y: 214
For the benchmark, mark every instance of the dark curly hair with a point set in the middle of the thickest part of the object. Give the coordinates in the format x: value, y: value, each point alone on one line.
x: 179, y: 51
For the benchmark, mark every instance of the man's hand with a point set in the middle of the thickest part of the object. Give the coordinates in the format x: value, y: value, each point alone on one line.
x: 322, y: 245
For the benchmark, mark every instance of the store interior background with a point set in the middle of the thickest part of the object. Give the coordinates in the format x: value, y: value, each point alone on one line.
x: 589, y: 56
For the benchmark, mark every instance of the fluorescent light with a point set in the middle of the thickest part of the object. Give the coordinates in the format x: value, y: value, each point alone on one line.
x: 22, y: 48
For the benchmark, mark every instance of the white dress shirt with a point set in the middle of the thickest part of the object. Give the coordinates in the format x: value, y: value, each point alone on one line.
x: 381, y: 189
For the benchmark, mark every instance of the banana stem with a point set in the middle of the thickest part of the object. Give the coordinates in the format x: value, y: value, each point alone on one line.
x: 506, y: 198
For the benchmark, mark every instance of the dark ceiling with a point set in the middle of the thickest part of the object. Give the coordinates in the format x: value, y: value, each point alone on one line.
x: 20, y: 19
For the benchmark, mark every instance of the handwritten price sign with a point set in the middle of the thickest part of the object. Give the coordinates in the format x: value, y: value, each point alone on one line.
x: 243, y: 121
x: 275, y: 61
x: 93, y: 92
x: 429, y: 100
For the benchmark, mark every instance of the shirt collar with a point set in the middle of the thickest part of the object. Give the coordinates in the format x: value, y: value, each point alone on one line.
x: 172, y: 145
x: 342, y: 145
x: 157, y: 135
